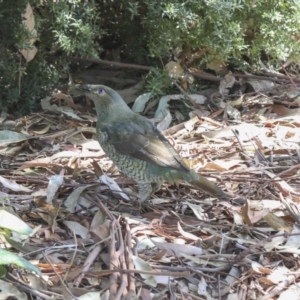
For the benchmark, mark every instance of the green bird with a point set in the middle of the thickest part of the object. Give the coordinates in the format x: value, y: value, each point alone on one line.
x: 136, y: 146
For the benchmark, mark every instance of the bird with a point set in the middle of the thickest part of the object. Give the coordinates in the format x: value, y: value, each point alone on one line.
x: 137, y: 147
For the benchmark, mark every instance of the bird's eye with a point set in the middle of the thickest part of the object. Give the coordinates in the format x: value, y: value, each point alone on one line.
x: 101, y: 91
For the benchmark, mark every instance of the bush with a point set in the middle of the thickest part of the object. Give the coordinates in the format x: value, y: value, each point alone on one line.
x: 63, y: 28
x: 237, y: 31
x: 241, y: 33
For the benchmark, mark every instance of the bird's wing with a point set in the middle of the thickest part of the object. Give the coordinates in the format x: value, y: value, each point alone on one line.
x: 150, y: 146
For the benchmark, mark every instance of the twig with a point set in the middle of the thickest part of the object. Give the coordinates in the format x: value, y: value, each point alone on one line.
x: 124, y: 278
x: 289, y: 76
x: 248, y: 159
x: 185, y: 93
x: 88, y: 262
x: 184, y: 273
x: 73, y: 256
x: 280, y: 78
x: 258, y: 77
x: 113, y: 259
x: 206, y: 76
x: 130, y: 265
x: 112, y: 63
x: 58, y: 276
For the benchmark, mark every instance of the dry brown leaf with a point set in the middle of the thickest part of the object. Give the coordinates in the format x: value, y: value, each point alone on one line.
x: 187, y: 235
x: 174, y: 69
x: 249, y: 216
x: 258, y: 268
x: 178, y: 249
x: 29, y: 23
x: 277, y: 223
x: 218, y: 66
x: 222, y: 165
x: 265, y: 280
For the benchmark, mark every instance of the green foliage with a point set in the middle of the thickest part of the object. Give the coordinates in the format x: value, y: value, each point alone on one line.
x: 63, y: 28
x: 74, y: 27
x: 157, y: 82
x: 229, y: 30
x: 241, y: 33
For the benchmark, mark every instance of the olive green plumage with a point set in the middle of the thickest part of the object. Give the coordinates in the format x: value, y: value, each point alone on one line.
x: 138, y: 149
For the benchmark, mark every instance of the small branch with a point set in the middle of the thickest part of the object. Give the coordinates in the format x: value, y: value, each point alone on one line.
x: 206, y: 76
x: 289, y: 76
x: 111, y: 63
x: 259, y: 77
x: 185, y: 94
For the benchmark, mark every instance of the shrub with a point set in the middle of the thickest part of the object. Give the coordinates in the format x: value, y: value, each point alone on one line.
x: 63, y: 28
x: 241, y: 33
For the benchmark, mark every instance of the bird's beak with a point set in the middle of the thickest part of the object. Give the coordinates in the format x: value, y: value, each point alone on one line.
x: 85, y: 88
x: 78, y: 90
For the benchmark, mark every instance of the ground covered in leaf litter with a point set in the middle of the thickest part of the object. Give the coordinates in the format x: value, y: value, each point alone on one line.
x: 182, y: 244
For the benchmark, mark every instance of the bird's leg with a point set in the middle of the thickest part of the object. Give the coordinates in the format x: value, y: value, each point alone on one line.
x: 145, y: 190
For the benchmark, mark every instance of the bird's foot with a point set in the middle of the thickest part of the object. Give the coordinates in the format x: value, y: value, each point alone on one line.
x: 145, y: 190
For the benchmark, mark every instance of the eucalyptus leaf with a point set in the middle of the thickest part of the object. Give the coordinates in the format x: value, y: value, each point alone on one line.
x: 7, y: 258
x: 140, y: 102
x: 13, y: 223
x: 9, y: 137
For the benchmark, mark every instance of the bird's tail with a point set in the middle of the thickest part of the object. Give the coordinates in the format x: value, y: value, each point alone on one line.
x: 196, y: 180
x: 204, y: 184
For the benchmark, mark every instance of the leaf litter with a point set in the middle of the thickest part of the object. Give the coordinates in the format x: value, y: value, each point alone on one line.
x: 92, y: 238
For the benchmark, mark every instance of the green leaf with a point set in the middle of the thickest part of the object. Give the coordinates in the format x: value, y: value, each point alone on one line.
x: 7, y: 258
x: 13, y: 223
x: 2, y: 271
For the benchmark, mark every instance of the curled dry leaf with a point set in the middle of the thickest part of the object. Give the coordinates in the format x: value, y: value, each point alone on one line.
x: 29, y: 23
x: 54, y: 184
x: 174, y: 69
x: 250, y: 216
x: 277, y: 223
x: 12, y: 185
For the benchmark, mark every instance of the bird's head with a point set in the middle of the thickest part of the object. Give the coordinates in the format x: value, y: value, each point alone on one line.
x: 107, y: 101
